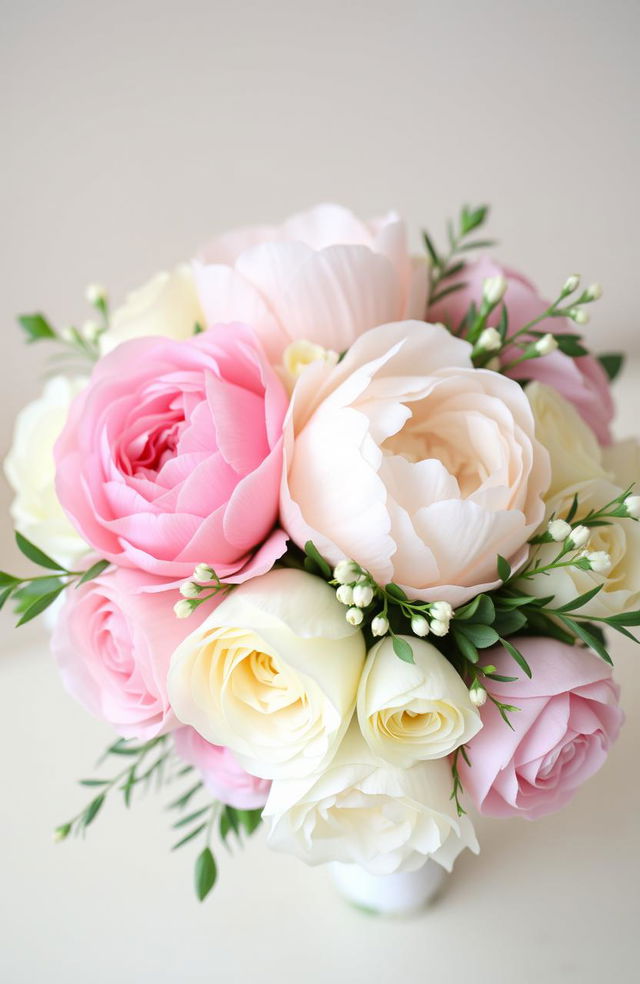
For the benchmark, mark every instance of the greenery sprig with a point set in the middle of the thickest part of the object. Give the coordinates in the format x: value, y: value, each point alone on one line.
x: 448, y: 263
x: 79, y: 345
x: 203, y: 586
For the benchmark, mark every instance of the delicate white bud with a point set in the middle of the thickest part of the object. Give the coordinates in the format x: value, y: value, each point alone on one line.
x: 68, y: 334
x: 559, y: 530
x: 91, y: 331
x: 546, y: 344
x: 183, y: 608
x: 95, y: 294
x: 419, y: 626
x: 580, y: 536
x: 439, y: 627
x: 490, y: 340
x: 189, y: 590
x: 354, y: 616
x: 379, y: 625
x: 344, y: 594
x: 600, y: 561
x: 494, y: 289
x: 632, y: 505
x: 362, y: 595
x: 594, y: 292
x: 345, y: 572
x: 203, y: 573
x: 579, y: 315
x: 478, y: 696
x: 441, y: 610
x: 571, y: 283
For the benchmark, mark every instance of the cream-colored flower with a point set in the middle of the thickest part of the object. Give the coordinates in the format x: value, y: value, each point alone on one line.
x: 573, y: 448
x: 622, y: 460
x: 30, y: 470
x: 300, y: 354
x: 272, y: 674
x: 166, y: 305
x: 363, y: 811
x: 410, y: 712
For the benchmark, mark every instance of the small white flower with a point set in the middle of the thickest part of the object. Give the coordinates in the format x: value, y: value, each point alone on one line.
x: 571, y: 283
x: 95, y: 294
x: 68, y: 333
x: 419, y: 626
x: 379, y: 626
x: 189, y: 590
x: 632, y: 505
x: 594, y: 292
x: 490, y: 340
x: 441, y: 610
x: 558, y: 530
x: 439, y: 627
x: 478, y: 696
x: 494, y: 289
x: 203, y: 573
x: 344, y: 594
x: 91, y: 331
x: 546, y: 344
x: 600, y: 561
x: 345, y: 572
x: 362, y: 595
x: 580, y: 536
x: 183, y: 608
x: 579, y: 316
x: 354, y: 616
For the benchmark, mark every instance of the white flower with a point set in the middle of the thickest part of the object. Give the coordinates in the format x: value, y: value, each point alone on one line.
x: 546, y: 345
x: 354, y: 616
x: 183, y: 608
x: 573, y: 449
x: 439, y: 627
x: 579, y: 316
x: 580, y: 536
x: 189, y: 590
x: 478, y: 696
x: 272, y: 673
x: 166, y: 305
x: 344, y: 594
x: 362, y: 811
x: 489, y: 340
x: 203, y: 573
x: 95, y: 294
x: 411, y: 712
x: 419, y: 626
x: 558, y: 530
x: 571, y: 283
x: 442, y: 610
x: 379, y: 626
x: 30, y: 470
x: 345, y: 572
x: 600, y: 561
x: 362, y: 595
x: 632, y: 505
x: 594, y: 292
x: 494, y: 289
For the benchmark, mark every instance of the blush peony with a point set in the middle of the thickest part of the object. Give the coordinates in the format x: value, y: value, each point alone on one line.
x: 221, y: 772
x: 172, y: 456
x: 428, y: 468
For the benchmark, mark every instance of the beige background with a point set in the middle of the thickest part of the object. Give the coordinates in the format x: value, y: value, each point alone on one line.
x: 132, y: 131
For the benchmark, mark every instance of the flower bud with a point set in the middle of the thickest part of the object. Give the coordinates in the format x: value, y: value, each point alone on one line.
x: 441, y: 610
x: 91, y: 331
x: 95, y: 294
x: 494, y: 289
x: 183, y: 608
x: 580, y: 536
x: 632, y: 505
x: 379, y: 625
x: 354, y: 616
x: 68, y: 334
x: 579, y: 316
x: 344, y: 594
x: 419, y: 626
x: 345, y: 572
x: 478, y: 696
x: 600, y: 561
x: 362, y: 595
x: 594, y: 292
x: 62, y: 832
x: 190, y: 590
x: 559, y: 530
x: 490, y: 340
x: 546, y: 344
x: 203, y: 573
x: 571, y: 283
x: 439, y: 627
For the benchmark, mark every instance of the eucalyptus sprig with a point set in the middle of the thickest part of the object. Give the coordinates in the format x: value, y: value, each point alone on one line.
x: 448, y: 263
x: 33, y: 595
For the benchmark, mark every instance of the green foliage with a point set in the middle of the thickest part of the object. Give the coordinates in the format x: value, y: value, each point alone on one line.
x: 449, y: 263
x: 205, y: 873
x: 612, y: 363
x: 314, y: 563
x: 36, y: 328
x: 402, y: 649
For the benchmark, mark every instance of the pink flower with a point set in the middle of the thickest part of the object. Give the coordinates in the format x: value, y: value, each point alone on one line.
x: 428, y: 468
x: 568, y: 718
x: 172, y: 456
x: 113, y: 642
x: 581, y: 381
x: 323, y: 276
x: 221, y: 773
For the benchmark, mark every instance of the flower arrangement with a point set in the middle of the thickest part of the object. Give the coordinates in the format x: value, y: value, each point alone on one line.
x: 331, y: 535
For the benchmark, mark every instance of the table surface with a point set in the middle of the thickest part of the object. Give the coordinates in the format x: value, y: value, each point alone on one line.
x: 555, y: 900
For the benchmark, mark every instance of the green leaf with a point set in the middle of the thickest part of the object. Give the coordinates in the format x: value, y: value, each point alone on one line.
x: 477, y: 244
x: 93, y: 571
x: 588, y: 637
x: 185, y: 821
x: 625, y: 632
x: 485, y: 612
x: 92, y: 810
x: 5, y: 595
x: 8, y: 579
x: 451, y: 289
x: 183, y: 800
x: 542, y: 625
x: 313, y: 554
x: 482, y: 636
x: 36, y: 555
x: 517, y: 655
x: 185, y: 840
x: 569, y: 344
x: 205, y: 873
x: 396, y: 592
x: 250, y: 820
x: 472, y: 218
x: 500, y: 678
x: 580, y: 601
x: 573, y: 510
x: 508, y: 623
x: 402, y: 649
x: 36, y: 327
x: 431, y: 250
x: 198, y: 329
x: 504, y: 568
x: 612, y: 364
x: 40, y: 604
x: 466, y: 647
x: 93, y: 782
x: 625, y: 618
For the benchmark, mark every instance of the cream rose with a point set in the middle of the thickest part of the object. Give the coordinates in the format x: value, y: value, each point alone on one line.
x: 271, y: 674
x: 412, y: 712
x: 622, y: 460
x: 166, y: 305
x: 30, y: 470
x: 573, y: 448
x: 365, y: 812
x: 428, y: 467
x: 620, y: 540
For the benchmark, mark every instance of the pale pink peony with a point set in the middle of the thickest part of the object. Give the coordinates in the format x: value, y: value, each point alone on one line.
x: 221, y: 772
x: 568, y: 718
x: 411, y: 462
x: 113, y: 641
x: 581, y: 381
x: 324, y: 276
x: 172, y: 456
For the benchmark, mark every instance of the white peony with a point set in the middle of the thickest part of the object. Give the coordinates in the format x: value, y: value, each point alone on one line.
x: 410, y: 712
x: 361, y: 811
x: 30, y: 470
x: 272, y: 674
x: 166, y: 305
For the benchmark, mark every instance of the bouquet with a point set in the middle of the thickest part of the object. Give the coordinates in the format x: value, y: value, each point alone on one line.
x: 331, y: 536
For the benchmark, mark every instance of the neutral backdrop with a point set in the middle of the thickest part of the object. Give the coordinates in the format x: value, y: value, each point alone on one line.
x: 131, y: 132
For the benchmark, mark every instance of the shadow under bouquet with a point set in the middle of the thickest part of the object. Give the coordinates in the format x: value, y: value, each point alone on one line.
x: 330, y: 535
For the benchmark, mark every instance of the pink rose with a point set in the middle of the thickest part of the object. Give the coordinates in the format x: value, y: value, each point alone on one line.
x: 113, y: 641
x: 581, y: 381
x: 428, y: 467
x: 221, y: 773
x: 172, y: 456
x: 323, y: 276
x: 568, y: 718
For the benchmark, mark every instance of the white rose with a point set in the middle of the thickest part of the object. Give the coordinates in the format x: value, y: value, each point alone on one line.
x: 365, y: 812
x: 30, y: 470
x: 573, y: 448
x: 166, y: 305
x: 412, y: 712
x: 620, y: 540
x: 272, y: 674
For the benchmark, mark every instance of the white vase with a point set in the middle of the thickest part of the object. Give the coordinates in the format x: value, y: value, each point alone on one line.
x: 389, y: 895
